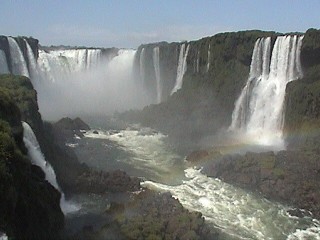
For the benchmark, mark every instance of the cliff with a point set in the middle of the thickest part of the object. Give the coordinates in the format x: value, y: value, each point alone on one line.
x: 302, y: 103
x: 4, y: 46
x: 217, y: 70
x: 29, y: 205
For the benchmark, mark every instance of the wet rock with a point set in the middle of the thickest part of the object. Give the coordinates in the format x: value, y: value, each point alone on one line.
x: 101, y: 182
x: 288, y: 176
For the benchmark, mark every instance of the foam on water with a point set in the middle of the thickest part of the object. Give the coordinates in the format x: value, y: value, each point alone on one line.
x: 147, y: 148
x: 239, y: 214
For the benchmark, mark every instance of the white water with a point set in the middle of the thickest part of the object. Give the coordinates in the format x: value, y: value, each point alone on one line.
x: 3, y: 236
x: 182, y: 68
x: 208, y: 60
x: 33, y: 65
x: 239, y: 214
x: 258, y: 112
x: 142, y: 65
x: 82, y: 81
x: 58, y: 65
x: 3, y: 62
x: 37, y: 158
x: 148, y: 150
x: 156, y: 65
x: 18, y: 63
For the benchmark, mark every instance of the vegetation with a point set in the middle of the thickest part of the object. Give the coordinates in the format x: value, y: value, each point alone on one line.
x: 29, y: 205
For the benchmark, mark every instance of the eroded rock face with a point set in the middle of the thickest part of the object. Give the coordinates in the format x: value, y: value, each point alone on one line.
x: 292, y: 177
x: 152, y: 215
x: 101, y: 182
x: 159, y: 216
x: 29, y: 205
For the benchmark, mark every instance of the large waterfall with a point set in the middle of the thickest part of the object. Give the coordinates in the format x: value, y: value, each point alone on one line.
x: 258, y: 111
x: 33, y: 66
x: 142, y: 65
x: 75, y: 81
x: 19, y: 65
x: 182, y: 67
x: 156, y: 64
x: 37, y: 158
x: 83, y: 81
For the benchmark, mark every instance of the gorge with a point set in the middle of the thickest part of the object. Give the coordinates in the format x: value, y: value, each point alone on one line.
x: 243, y: 107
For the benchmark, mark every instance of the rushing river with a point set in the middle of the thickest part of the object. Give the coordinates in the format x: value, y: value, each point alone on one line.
x: 237, y: 213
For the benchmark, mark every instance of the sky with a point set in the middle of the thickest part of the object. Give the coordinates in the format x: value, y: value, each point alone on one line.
x: 129, y: 23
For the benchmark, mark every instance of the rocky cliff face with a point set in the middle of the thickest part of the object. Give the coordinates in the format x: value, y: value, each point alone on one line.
x: 217, y: 69
x: 29, y: 205
x: 4, y: 46
x: 302, y: 103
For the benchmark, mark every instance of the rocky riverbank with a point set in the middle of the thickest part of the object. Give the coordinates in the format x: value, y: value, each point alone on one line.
x: 291, y: 177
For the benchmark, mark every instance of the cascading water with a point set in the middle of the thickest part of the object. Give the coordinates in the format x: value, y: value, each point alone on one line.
x: 238, y: 213
x: 19, y: 65
x: 93, y: 57
x: 3, y: 63
x: 33, y: 65
x: 3, y: 236
x: 182, y: 67
x: 71, y: 74
x: 208, y: 60
x: 142, y: 65
x: 258, y: 111
x: 37, y: 158
x: 156, y: 64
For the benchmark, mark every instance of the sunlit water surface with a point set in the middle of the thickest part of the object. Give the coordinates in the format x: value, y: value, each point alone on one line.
x: 145, y: 153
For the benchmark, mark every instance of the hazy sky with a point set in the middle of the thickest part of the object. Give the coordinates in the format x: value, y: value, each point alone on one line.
x: 120, y: 23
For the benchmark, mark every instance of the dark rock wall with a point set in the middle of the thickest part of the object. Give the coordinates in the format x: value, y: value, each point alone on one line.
x: 291, y: 177
x: 302, y: 103
x: 29, y: 205
x: 34, y: 44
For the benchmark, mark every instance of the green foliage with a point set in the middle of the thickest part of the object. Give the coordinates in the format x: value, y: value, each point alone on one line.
x: 24, y: 193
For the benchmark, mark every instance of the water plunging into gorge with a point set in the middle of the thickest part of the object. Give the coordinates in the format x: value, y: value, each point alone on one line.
x: 37, y: 158
x: 258, y: 112
x: 88, y: 79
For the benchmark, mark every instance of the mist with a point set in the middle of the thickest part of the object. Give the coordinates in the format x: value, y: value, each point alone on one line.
x: 68, y: 87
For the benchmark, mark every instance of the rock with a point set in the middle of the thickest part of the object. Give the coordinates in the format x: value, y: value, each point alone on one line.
x: 289, y: 176
x: 95, y: 132
x: 154, y: 215
x: 69, y: 124
x: 197, y: 155
x: 101, y: 182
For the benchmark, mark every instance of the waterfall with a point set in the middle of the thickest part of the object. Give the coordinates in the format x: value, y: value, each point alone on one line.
x: 19, y: 65
x: 33, y: 65
x: 3, y: 63
x: 37, y: 158
x: 156, y: 64
x: 259, y: 109
x: 208, y: 60
x: 182, y: 68
x: 93, y: 57
x: 142, y: 65
x: 77, y: 81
